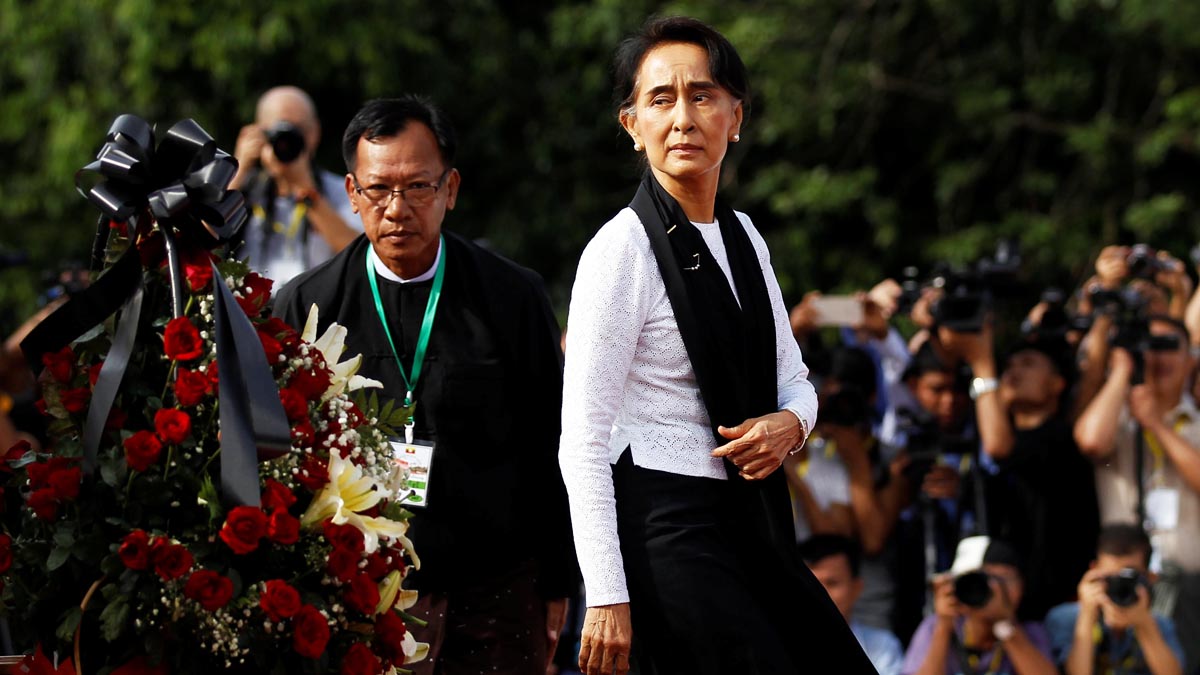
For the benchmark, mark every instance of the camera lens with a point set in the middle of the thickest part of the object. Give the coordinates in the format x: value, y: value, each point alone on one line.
x: 1122, y: 587
x: 286, y: 140
x: 973, y: 590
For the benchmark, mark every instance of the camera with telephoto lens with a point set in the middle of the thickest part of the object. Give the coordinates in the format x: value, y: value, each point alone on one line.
x: 1143, y: 262
x: 286, y: 140
x: 973, y: 589
x: 1057, y: 321
x: 1130, y: 311
x: 926, y: 444
x: 1122, y: 587
x: 967, y: 292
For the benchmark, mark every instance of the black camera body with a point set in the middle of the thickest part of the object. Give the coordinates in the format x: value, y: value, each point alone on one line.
x: 967, y: 292
x: 973, y: 589
x: 1143, y: 262
x: 1131, y: 316
x: 1122, y: 587
x: 926, y: 444
x: 286, y: 140
x: 1057, y: 321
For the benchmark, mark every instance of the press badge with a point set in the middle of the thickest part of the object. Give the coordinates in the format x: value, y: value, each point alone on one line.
x: 1162, y: 508
x: 417, y: 458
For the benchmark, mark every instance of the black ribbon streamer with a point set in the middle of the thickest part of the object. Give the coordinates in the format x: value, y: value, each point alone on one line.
x: 182, y: 184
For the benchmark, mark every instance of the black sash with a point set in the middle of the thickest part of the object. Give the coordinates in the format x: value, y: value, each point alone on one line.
x: 731, y: 347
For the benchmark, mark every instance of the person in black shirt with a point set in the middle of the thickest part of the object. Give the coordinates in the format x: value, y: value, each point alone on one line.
x: 494, y: 534
x: 1040, y: 490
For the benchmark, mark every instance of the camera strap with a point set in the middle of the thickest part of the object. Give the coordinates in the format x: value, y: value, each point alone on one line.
x: 969, y: 663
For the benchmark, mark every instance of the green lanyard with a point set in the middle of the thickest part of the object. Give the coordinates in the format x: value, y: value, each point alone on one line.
x: 435, y: 293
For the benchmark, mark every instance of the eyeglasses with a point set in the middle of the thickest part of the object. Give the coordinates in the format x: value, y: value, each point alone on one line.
x: 416, y: 195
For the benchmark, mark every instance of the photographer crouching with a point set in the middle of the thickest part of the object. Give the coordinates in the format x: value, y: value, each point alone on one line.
x: 1112, y: 628
x: 974, y: 628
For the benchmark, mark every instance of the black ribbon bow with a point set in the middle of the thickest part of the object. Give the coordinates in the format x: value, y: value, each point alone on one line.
x: 182, y: 184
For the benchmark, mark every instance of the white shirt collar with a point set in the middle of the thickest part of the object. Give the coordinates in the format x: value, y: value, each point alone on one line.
x: 383, y: 271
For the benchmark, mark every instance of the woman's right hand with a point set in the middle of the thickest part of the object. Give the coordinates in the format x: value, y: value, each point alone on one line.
x: 607, y: 634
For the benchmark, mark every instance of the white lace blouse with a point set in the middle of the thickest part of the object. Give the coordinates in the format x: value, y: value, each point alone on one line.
x: 629, y: 383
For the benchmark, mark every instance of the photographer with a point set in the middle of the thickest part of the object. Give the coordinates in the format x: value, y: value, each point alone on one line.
x: 847, y: 484
x: 1111, y: 629
x: 974, y: 627
x: 1040, y: 492
x: 1157, y: 422
x: 299, y: 215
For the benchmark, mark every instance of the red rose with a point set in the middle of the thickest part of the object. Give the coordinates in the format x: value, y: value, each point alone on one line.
x: 152, y: 250
x: 277, y: 496
x: 142, y: 450
x: 191, y: 386
x: 171, y: 561
x: 181, y: 340
x: 305, y: 436
x: 283, y: 528
x: 135, y: 550
x: 44, y: 504
x: 279, y: 600
x: 271, y: 348
x: 310, y: 632
x: 314, y: 473
x: 213, y: 373
x: 294, y: 404
x: 197, y: 268
x: 93, y: 372
x: 61, y: 364
x: 173, y: 425
x: 5, y: 553
x: 65, y: 482
x: 343, y: 564
x: 210, y: 589
x: 362, y: 594
x: 377, y: 566
x: 313, y: 382
x: 360, y: 660
x: 254, y: 293
x: 389, y: 633
x: 16, y: 452
x: 116, y: 419
x: 75, y: 400
x: 140, y: 666
x: 278, y: 329
x: 346, y: 536
x: 244, y: 527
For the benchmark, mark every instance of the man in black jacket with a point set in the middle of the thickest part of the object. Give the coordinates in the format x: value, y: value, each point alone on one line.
x: 469, y: 338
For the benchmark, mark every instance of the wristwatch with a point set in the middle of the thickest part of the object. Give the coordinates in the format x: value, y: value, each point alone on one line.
x: 983, y: 385
x: 803, y: 436
x: 1003, y: 630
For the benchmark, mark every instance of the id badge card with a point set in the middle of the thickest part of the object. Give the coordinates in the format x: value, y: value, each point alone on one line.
x: 417, y: 459
x: 1162, y: 508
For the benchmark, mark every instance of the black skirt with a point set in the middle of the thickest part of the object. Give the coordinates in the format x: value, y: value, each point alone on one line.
x: 715, y: 588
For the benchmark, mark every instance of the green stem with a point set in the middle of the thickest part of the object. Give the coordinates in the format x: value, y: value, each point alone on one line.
x: 167, y: 465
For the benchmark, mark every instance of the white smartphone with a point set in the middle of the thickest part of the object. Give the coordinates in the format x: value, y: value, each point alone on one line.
x: 838, y: 310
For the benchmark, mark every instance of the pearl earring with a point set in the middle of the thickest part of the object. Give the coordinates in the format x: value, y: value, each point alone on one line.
x: 637, y: 147
x: 737, y: 137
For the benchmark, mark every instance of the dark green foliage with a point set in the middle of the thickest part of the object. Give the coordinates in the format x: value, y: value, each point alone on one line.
x: 883, y: 132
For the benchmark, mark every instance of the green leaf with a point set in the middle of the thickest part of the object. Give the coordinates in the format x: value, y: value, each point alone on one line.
x: 66, y: 629
x: 58, y: 557
x: 113, y: 618
x: 209, y: 497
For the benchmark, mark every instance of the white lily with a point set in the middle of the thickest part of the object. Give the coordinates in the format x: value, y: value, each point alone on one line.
x: 332, y: 344
x: 348, y: 493
x: 413, y: 651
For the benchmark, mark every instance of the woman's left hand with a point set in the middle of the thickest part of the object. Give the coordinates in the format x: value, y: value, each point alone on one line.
x: 758, y: 446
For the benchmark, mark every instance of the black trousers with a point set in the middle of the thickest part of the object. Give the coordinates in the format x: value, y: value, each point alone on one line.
x: 712, y: 591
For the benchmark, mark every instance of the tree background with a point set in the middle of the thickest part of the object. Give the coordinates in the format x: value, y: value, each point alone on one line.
x: 882, y: 134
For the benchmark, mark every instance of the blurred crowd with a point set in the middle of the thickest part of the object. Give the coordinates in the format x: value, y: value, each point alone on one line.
x: 1027, y: 507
